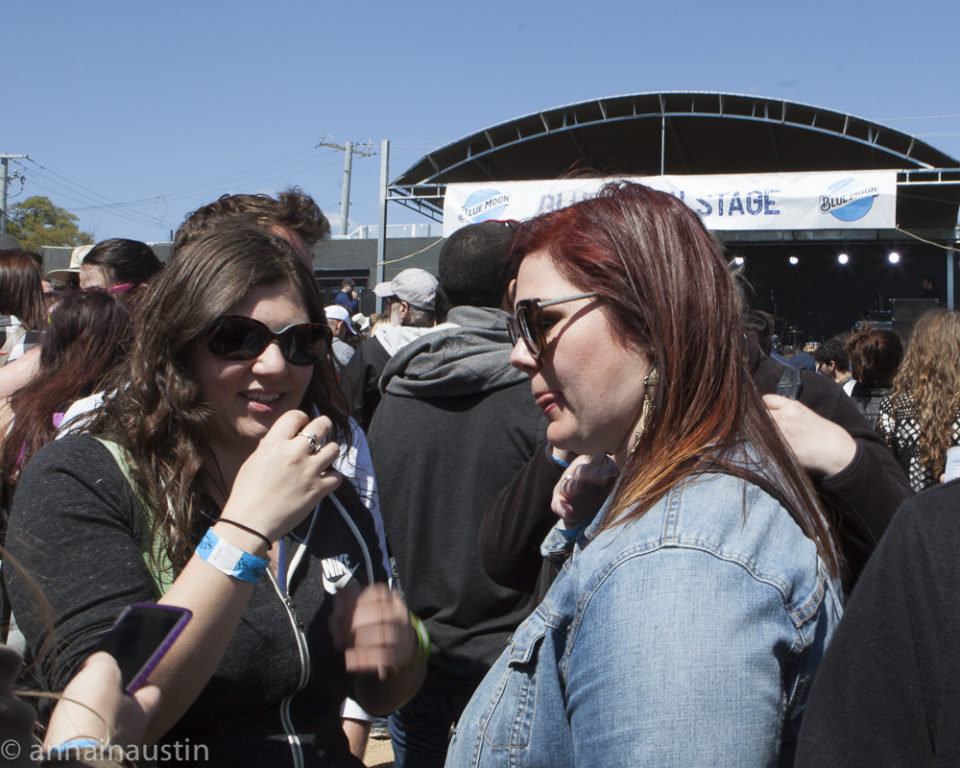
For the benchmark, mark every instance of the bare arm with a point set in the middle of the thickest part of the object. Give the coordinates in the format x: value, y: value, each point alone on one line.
x: 94, y: 706
x: 73, y: 515
x: 275, y: 489
x: 19, y: 372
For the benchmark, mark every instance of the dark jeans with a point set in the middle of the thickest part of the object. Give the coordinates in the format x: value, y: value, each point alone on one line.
x: 420, y: 731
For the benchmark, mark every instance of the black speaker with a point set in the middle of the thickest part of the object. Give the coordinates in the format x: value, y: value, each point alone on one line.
x: 368, y: 301
x: 910, y: 309
x: 905, y: 313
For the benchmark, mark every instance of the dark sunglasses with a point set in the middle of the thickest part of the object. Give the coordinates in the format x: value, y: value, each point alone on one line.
x: 527, y: 324
x: 243, y: 338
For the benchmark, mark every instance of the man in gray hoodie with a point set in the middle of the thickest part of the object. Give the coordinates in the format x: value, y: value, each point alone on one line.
x: 410, y: 303
x: 455, y: 424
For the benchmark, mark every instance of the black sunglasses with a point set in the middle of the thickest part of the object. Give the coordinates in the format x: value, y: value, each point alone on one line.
x: 242, y: 338
x: 526, y: 322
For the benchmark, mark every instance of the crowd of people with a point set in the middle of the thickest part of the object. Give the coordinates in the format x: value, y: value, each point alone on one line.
x: 560, y: 504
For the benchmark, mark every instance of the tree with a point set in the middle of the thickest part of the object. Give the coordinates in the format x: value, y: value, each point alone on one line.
x: 37, y: 222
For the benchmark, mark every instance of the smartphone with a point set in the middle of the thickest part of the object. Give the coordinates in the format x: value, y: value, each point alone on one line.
x: 139, y: 638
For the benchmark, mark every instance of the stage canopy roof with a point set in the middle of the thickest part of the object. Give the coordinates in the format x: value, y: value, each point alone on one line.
x: 680, y: 133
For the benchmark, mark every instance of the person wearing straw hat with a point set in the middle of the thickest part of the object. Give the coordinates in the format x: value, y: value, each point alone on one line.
x: 70, y: 275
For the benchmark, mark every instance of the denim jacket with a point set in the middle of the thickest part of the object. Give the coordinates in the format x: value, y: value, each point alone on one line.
x: 688, y: 637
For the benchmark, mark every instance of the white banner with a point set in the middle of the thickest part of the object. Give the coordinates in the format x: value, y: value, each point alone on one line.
x: 818, y: 200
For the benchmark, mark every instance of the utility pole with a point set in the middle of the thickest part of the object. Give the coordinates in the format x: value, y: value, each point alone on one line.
x: 349, y: 149
x: 3, y: 189
x: 382, y: 234
x: 345, y: 192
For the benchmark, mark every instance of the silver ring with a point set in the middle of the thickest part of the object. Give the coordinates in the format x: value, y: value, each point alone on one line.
x: 311, y: 439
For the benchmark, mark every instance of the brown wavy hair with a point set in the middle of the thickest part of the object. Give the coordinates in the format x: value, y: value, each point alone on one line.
x: 157, y: 414
x: 292, y: 210
x: 875, y: 355
x: 21, y: 289
x: 663, y: 281
x: 929, y: 378
x: 87, y: 335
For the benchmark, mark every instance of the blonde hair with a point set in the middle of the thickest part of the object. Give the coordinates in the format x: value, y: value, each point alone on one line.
x: 929, y: 378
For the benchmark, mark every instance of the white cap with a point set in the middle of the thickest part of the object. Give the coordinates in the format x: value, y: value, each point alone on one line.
x: 361, y: 321
x: 415, y: 286
x: 341, y: 313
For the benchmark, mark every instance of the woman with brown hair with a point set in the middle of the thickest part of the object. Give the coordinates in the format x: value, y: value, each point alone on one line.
x: 875, y: 355
x: 206, y: 482
x: 119, y: 265
x: 23, y: 311
x: 920, y: 419
x: 88, y: 333
x: 693, y: 610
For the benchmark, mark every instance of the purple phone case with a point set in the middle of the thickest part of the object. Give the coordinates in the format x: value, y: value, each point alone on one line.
x: 150, y: 664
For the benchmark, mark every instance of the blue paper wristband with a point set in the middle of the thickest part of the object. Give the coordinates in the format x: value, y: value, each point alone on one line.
x: 561, y: 462
x: 230, y: 559
x: 73, y: 745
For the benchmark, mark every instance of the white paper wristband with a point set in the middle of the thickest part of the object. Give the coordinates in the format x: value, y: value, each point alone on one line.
x: 230, y: 559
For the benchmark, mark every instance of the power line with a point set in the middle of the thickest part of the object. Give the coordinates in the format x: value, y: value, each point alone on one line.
x: 129, y: 216
x: 92, y: 200
x: 238, y: 175
x: 94, y: 195
x: 188, y: 191
x: 219, y: 187
x: 919, y: 117
x: 80, y: 195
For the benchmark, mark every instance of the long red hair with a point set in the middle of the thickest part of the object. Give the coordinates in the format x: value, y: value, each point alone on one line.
x: 665, y: 284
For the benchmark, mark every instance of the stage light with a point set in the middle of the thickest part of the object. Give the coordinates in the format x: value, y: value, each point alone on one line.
x: 843, y: 258
x: 893, y: 257
x: 794, y: 261
x: 738, y: 260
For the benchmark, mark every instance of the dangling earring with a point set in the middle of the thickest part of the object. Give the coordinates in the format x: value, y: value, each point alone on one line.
x: 650, y: 382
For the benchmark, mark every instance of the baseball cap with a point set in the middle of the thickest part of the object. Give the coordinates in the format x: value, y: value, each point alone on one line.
x: 361, y: 321
x: 415, y: 286
x: 339, y: 312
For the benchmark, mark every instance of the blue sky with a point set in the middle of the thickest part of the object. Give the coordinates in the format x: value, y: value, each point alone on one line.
x: 135, y: 113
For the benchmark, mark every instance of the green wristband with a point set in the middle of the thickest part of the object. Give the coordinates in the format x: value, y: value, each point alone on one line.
x: 422, y: 653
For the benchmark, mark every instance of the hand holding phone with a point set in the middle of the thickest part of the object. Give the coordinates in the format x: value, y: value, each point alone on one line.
x: 93, y: 706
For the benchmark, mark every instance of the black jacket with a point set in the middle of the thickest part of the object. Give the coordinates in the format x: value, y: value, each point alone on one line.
x: 888, y: 689
x: 861, y: 499
x: 76, y: 528
x: 455, y: 424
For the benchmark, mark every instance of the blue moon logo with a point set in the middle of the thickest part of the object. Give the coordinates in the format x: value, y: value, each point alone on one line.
x: 836, y: 203
x: 483, y: 205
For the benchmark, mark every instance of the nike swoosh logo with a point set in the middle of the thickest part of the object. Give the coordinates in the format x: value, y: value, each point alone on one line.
x: 336, y: 576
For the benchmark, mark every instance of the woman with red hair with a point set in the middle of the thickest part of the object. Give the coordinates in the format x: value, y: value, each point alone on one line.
x: 694, y: 608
